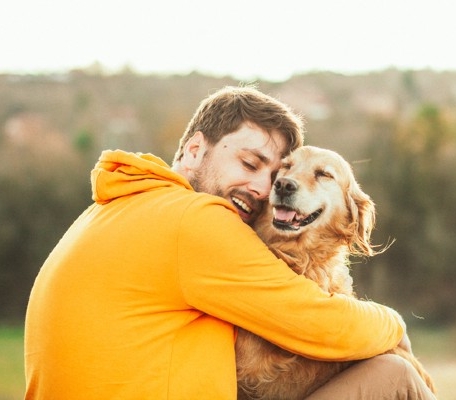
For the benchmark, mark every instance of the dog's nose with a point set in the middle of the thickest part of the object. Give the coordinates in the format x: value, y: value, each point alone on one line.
x: 285, y: 186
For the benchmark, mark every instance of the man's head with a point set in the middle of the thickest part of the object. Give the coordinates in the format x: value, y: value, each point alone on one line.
x: 233, y: 146
x: 224, y: 111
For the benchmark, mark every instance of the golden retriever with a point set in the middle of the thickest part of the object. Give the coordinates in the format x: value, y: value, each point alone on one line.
x: 318, y: 217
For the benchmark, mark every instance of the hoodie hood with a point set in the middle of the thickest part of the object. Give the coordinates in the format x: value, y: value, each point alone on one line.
x: 118, y: 173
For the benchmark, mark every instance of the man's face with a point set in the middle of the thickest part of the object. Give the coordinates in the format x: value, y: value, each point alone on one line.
x: 240, y: 168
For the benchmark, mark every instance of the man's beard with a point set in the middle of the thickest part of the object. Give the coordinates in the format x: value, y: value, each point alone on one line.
x: 205, y: 179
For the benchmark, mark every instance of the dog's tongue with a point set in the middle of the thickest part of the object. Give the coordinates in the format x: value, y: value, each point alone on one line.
x: 283, y: 214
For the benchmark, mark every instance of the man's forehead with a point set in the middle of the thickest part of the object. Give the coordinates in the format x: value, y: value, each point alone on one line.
x: 258, y: 154
x: 267, y: 146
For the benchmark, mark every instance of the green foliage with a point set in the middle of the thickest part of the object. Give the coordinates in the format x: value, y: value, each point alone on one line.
x: 42, y: 194
x: 84, y: 141
x: 412, y: 181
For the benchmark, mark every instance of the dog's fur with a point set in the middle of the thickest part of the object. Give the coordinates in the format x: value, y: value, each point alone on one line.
x: 318, y: 217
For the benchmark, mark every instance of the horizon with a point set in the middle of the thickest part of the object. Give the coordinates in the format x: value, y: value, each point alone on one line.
x: 97, y: 68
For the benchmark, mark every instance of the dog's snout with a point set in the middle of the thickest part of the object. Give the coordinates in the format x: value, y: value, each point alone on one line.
x: 285, y: 186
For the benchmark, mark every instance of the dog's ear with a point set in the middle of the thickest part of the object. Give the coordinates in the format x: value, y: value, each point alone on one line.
x: 362, y: 210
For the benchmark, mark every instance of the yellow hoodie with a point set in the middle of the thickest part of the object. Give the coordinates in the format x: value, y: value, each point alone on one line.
x: 140, y: 297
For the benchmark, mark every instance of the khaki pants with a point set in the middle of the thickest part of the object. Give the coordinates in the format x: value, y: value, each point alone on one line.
x: 383, y: 377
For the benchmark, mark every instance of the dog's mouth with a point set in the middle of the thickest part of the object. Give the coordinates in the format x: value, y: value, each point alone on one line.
x: 288, y: 219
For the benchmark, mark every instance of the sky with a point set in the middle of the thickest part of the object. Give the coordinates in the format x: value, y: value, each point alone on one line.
x: 246, y: 39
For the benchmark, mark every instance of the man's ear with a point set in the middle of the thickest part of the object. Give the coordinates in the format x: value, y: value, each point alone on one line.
x: 194, y: 151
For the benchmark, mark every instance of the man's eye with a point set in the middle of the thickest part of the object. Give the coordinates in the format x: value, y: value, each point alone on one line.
x: 249, y: 165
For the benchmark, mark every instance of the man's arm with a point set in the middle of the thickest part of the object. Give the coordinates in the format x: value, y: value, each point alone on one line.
x: 226, y: 271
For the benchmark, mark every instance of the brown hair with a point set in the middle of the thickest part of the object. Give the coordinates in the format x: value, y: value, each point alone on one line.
x: 224, y: 111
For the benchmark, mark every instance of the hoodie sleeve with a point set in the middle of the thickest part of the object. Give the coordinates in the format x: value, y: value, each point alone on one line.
x: 226, y: 271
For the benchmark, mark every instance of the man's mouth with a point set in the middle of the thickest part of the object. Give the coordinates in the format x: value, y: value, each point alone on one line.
x: 288, y: 219
x: 241, y: 205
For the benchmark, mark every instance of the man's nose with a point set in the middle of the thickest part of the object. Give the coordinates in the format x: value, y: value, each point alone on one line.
x: 261, y: 186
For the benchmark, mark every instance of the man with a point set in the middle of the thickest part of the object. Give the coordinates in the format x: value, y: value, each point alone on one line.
x: 140, y: 298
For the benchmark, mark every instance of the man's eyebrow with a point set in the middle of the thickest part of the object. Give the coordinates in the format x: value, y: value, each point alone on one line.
x: 258, y: 154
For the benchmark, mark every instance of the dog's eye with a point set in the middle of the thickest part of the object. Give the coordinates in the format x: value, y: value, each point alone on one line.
x: 320, y: 173
x: 286, y: 166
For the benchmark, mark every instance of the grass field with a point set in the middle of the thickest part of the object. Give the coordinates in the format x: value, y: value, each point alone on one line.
x: 435, y: 348
x: 437, y: 351
x: 11, y: 363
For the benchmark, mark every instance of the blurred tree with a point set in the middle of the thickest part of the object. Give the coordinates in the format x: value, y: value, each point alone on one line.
x: 84, y: 141
x: 42, y: 192
x: 412, y: 183
x: 410, y: 85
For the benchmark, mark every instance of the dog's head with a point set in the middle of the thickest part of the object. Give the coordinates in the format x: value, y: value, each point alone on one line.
x: 315, y: 190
